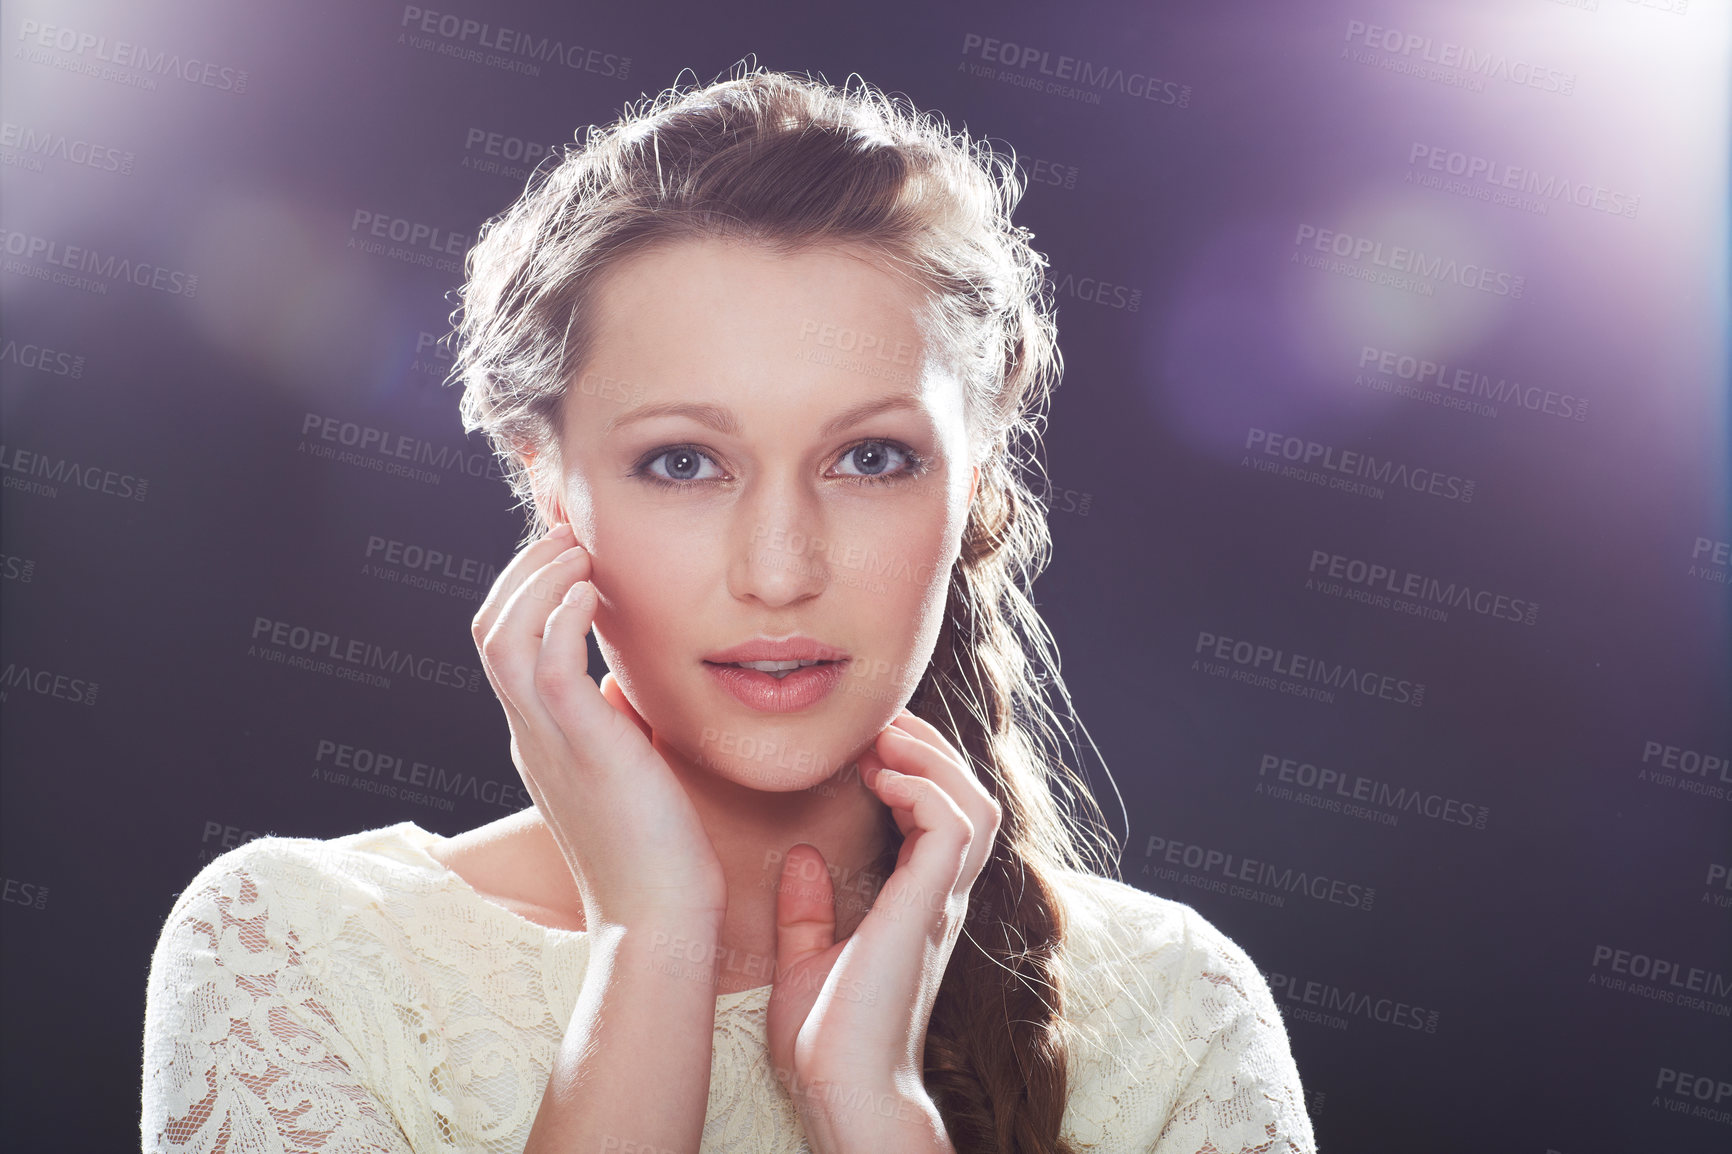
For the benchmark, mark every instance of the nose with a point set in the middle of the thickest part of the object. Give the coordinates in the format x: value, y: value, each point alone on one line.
x: 779, y: 551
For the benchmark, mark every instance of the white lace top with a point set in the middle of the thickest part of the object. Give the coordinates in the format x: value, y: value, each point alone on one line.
x: 355, y: 994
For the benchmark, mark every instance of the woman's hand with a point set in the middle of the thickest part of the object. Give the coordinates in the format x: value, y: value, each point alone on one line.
x: 625, y: 824
x: 847, y: 1020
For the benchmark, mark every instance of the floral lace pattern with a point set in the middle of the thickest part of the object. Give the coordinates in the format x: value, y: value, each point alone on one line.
x: 354, y: 994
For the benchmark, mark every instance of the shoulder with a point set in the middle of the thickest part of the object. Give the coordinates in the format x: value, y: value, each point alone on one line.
x: 1172, y: 1028
x: 1122, y: 941
x: 286, y: 876
x: 241, y: 932
x: 280, y: 929
x: 259, y: 882
x: 245, y: 1007
x: 289, y: 899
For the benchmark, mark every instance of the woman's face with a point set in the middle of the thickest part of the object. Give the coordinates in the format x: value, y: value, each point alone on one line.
x: 763, y: 448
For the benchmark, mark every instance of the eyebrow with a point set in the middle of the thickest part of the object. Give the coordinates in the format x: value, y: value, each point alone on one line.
x: 722, y: 419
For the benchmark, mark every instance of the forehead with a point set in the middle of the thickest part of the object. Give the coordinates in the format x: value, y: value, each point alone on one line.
x: 733, y: 317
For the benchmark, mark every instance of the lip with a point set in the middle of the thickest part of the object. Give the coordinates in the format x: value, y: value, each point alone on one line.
x: 789, y: 649
x: 757, y: 690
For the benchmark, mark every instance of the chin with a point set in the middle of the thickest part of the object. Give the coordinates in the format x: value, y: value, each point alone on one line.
x: 782, y: 754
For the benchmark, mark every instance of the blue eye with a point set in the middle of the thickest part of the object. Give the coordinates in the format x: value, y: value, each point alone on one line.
x: 875, y: 461
x: 872, y: 462
x: 683, y: 464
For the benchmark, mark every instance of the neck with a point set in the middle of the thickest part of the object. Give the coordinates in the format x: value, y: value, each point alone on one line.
x: 752, y: 830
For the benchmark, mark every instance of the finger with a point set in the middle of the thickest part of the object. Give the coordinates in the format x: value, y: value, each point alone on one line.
x: 941, y: 835
x: 867, y: 765
x: 951, y: 767
x: 515, y: 639
x: 908, y: 754
x: 919, y: 727
x: 615, y: 695
x: 585, y: 717
x: 561, y: 661
x: 527, y: 561
x: 966, y: 787
x: 870, y: 763
x: 805, y: 907
x: 505, y: 587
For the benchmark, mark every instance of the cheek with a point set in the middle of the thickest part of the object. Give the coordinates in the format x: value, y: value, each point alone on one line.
x: 912, y: 589
x: 895, y: 585
x: 650, y: 583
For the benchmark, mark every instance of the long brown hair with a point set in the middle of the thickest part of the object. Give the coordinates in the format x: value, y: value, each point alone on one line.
x: 792, y: 163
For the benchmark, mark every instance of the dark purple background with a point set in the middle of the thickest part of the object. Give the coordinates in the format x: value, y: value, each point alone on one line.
x: 1187, y: 319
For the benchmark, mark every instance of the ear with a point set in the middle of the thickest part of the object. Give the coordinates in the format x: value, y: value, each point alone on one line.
x: 973, y: 481
x: 551, y: 508
x: 547, y: 502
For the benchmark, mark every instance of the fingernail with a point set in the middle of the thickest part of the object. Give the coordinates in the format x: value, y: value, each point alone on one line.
x: 571, y: 554
x: 579, y: 594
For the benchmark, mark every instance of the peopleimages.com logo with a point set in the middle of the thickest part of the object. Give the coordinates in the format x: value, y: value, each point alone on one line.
x: 96, y: 55
x: 1407, y: 262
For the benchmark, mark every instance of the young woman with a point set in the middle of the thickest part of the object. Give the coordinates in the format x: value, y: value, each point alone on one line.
x: 806, y: 871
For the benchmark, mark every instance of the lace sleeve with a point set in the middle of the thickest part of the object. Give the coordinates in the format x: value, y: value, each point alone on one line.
x: 242, y: 1047
x: 1243, y: 1096
x: 1176, y: 1044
